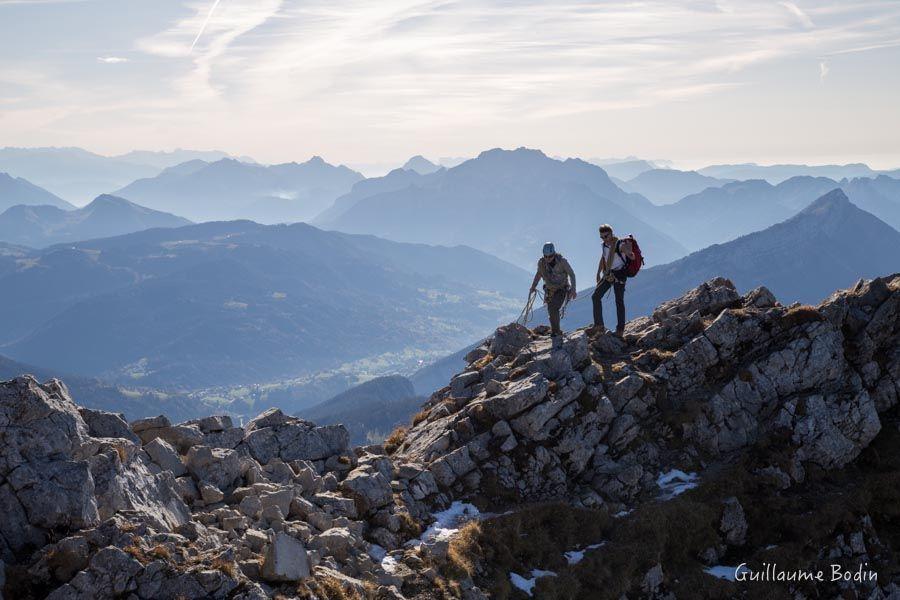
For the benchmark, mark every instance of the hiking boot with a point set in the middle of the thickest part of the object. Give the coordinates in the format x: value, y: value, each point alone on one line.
x: 620, y: 332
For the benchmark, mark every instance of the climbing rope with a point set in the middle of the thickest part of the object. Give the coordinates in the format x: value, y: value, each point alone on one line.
x: 528, y: 312
x: 562, y: 309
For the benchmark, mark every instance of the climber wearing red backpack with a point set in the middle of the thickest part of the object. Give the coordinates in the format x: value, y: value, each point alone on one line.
x: 621, y: 259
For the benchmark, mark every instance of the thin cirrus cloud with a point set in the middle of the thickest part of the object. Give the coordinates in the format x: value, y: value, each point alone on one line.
x: 496, y: 49
x: 487, y: 57
x: 341, y: 68
x: 802, y: 17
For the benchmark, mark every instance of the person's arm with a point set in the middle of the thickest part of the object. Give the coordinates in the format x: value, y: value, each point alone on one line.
x: 571, y: 272
x: 601, y: 269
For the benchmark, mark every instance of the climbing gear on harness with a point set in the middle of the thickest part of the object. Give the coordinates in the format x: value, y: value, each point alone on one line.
x: 548, y: 293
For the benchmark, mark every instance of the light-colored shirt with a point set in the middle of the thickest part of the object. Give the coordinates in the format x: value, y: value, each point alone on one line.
x: 617, y: 262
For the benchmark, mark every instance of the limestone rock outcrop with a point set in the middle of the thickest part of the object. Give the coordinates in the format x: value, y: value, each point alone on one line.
x: 95, y: 507
x: 589, y: 419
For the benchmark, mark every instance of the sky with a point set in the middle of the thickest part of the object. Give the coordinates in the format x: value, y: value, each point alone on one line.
x: 357, y: 81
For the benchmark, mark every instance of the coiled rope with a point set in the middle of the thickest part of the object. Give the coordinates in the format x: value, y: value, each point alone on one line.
x: 528, y: 312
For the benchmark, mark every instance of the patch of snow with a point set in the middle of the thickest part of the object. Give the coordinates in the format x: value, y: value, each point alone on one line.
x: 447, y: 523
x: 726, y: 572
x: 675, y: 482
x: 389, y: 564
x: 380, y: 555
x: 573, y: 557
x: 622, y: 513
x: 527, y: 584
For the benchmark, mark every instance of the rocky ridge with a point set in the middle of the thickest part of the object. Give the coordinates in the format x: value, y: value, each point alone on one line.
x: 96, y: 507
x: 585, y: 419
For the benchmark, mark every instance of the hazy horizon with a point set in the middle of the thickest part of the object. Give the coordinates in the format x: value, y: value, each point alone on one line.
x: 696, y: 82
x: 377, y: 169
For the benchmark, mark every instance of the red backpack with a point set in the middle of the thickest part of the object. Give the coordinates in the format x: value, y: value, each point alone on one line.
x: 632, y: 266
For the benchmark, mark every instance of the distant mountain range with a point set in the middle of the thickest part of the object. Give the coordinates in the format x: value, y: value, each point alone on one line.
x: 434, y: 376
x: 93, y: 393
x: 79, y: 175
x: 624, y: 169
x: 830, y: 244
x: 664, y: 186
x: 879, y: 196
x: 775, y: 174
x: 394, y: 181
x: 40, y: 226
x: 163, y: 160
x: 720, y: 214
x: 371, y: 410
x: 229, y: 189
x: 507, y: 203
x: 16, y: 190
x: 224, y: 303
x: 421, y: 165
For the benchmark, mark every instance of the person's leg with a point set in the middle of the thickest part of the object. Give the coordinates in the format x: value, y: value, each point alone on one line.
x: 553, y: 306
x: 619, y: 291
x: 597, y: 299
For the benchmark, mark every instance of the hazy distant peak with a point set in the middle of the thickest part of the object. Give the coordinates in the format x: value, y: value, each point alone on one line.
x: 421, y: 165
x: 7, y: 178
x: 835, y: 200
x: 32, y: 211
x: 109, y: 200
x: 519, y: 152
x: 18, y: 190
x: 761, y: 184
x: 185, y: 168
x: 624, y: 169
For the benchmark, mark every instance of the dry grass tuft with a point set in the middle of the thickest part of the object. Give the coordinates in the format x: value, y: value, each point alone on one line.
x: 483, y: 361
x: 138, y: 553
x: 395, y: 440
x: 800, y: 315
x: 420, y: 416
x: 160, y: 551
x: 228, y: 567
x: 518, y: 373
x: 463, y: 550
x: 333, y: 589
x: 409, y: 528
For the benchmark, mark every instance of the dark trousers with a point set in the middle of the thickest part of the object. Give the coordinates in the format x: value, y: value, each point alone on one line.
x: 555, y: 300
x: 597, y: 298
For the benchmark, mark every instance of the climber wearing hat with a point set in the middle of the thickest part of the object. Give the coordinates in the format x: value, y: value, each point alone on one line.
x: 559, y: 284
